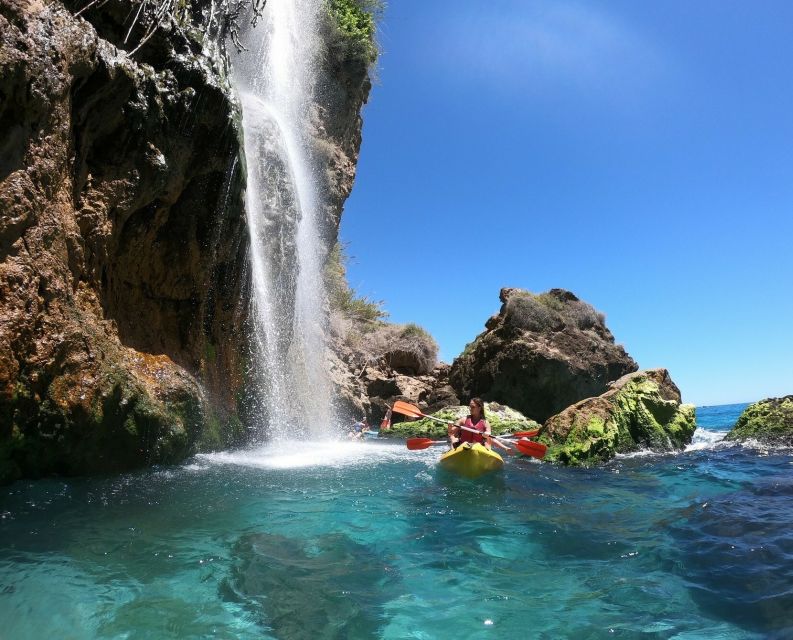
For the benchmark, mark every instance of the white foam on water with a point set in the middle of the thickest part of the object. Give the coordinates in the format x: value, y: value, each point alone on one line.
x: 707, y: 439
x: 642, y: 453
x: 317, y: 453
x: 703, y: 439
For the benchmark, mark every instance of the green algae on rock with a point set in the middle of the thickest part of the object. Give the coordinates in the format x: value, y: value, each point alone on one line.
x: 769, y: 421
x: 641, y: 410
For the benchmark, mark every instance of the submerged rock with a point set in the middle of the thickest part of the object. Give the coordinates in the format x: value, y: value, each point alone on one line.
x: 540, y: 354
x: 641, y: 410
x: 769, y: 421
x: 330, y: 587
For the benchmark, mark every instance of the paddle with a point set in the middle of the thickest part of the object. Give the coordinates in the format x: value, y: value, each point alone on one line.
x: 523, y: 434
x: 534, y: 449
x: 423, y: 443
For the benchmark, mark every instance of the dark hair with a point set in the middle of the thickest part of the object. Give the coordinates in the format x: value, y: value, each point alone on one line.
x: 478, y: 402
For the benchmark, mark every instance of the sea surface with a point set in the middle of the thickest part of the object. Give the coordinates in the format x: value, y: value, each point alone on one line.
x: 370, y: 540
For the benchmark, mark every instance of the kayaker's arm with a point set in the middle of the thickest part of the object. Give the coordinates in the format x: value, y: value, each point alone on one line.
x: 489, y: 440
x: 499, y: 444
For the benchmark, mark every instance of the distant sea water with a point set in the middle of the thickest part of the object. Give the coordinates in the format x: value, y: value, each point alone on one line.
x: 370, y: 540
x: 720, y: 417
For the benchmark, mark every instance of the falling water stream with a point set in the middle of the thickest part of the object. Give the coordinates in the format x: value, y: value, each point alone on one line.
x: 276, y: 79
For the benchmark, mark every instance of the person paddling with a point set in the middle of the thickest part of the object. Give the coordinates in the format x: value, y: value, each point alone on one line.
x: 358, y: 429
x: 475, y: 421
x: 385, y: 425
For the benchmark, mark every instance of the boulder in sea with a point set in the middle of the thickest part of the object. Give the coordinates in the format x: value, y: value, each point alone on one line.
x: 641, y: 410
x: 769, y: 421
x: 540, y: 354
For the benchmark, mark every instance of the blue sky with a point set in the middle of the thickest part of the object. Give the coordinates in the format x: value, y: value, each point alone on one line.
x: 638, y: 154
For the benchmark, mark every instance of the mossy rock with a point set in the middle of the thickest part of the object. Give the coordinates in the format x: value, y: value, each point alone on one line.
x: 637, y: 413
x: 135, y: 412
x: 769, y: 421
x: 502, y: 419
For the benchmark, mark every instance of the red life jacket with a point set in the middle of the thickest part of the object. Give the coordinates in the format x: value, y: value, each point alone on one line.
x: 467, y: 436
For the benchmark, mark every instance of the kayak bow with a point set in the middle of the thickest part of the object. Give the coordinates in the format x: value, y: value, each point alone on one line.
x: 471, y: 460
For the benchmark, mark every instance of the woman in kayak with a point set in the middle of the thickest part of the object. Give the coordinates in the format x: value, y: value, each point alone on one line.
x: 475, y: 421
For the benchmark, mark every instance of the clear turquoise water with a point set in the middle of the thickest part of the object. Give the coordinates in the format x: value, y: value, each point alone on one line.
x: 369, y: 540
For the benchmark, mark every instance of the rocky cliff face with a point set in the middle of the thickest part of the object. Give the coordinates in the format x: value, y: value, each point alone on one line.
x: 540, y: 354
x: 122, y: 237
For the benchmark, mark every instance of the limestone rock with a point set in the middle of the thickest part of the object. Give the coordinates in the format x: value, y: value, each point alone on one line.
x: 371, y: 388
x: 123, y: 240
x: 540, y: 354
x: 769, y: 421
x: 641, y: 410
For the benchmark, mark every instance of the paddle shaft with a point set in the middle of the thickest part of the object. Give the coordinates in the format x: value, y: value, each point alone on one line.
x: 484, y: 435
x: 519, y: 434
x: 534, y: 449
x: 415, y: 411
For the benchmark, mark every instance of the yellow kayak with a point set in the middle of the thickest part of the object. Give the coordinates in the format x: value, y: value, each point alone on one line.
x: 471, y: 460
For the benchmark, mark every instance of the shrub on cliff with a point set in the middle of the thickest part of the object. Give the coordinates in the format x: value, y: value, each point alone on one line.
x: 355, y: 22
x: 551, y: 312
x: 405, y: 347
x: 343, y: 298
x: 357, y: 321
x: 527, y: 311
x: 130, y: 24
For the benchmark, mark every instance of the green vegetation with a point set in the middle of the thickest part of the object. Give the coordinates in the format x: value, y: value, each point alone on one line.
x: 343, y: 298
x: 548, y: 312
x: 407, y: 348
x: 533, y: 313
x: 355, y: 22
x: 358, y: 321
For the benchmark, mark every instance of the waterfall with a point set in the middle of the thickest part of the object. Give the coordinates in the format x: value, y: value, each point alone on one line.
x: 276, y: 79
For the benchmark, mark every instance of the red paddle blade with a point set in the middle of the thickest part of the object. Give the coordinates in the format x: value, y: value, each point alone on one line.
x: 533, y: 449
x: 526, y: 434
x: 421, y: 443
x: 406, y: 409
